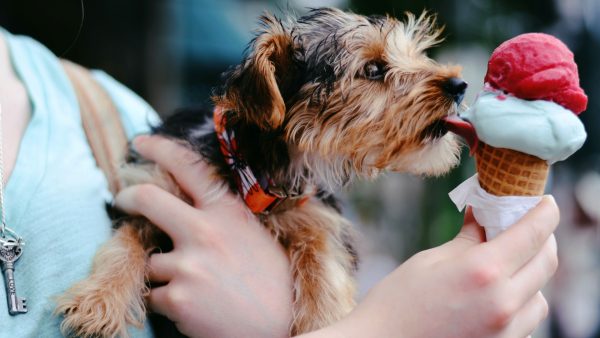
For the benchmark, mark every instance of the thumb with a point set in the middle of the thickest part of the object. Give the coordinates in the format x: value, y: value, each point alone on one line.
x: 471, y: 232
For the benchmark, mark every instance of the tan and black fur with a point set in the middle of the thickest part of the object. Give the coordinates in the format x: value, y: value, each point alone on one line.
x: 318, y: 101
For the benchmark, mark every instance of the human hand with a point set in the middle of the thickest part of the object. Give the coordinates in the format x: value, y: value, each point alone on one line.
x: 226, y: 276
x: 466, y: 287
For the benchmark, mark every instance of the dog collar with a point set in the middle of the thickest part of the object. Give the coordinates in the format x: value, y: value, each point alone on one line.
x: 261, y: 194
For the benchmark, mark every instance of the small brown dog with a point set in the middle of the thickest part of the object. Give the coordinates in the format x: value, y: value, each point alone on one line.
x: 318, y: 101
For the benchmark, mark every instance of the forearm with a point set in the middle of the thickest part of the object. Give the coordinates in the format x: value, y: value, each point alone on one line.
x: 357, y: 324
x: 334, y: 331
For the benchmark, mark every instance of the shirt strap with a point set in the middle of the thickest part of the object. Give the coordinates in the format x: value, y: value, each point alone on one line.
x: 101, y: 123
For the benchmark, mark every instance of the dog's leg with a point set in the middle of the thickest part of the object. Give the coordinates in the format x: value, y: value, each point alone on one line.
x: 112, y: 297
x: 317, y: 241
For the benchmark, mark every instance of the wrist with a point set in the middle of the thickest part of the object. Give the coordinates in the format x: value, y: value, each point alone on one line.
x: 352, y: 326
x: 332, y: 331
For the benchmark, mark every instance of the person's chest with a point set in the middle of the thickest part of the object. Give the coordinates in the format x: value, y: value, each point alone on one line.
x: 15, y: 110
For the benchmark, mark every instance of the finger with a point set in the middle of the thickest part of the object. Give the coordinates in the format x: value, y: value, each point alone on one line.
x: 522, y: 241
x: 161, y: 268
x: 471, y: 231
x: 158, y: 300
x: 175, y: 217
x: 470, y: 234
x: 528, y: 318
x: 192, y: 174
x: 535, y: 274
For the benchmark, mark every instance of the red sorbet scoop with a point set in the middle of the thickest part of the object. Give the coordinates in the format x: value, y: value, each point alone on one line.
x: 537, y: 66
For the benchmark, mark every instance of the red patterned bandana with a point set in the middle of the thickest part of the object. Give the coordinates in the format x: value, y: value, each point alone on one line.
x: 254, y: 191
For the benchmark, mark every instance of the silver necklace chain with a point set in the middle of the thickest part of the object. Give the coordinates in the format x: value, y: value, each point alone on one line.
x: 8, y: 237
x: 2, y: 213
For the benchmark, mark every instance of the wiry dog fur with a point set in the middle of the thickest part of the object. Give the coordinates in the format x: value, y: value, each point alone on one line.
x: 318, y: 101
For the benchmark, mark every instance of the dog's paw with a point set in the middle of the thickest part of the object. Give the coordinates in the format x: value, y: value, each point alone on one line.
x: 95, y: 310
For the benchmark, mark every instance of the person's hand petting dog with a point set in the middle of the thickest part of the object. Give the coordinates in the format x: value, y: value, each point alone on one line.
x: 228, y: 277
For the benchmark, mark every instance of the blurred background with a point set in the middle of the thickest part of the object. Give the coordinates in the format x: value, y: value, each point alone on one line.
x: 172, y: 53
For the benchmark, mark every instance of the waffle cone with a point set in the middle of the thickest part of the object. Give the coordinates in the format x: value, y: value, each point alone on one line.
x: 506, y: 172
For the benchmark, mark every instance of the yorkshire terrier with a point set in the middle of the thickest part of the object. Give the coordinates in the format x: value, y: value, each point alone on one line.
x: 318, y: 101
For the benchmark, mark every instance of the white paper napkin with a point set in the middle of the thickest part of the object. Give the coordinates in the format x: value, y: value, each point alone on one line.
x: 494, y: 213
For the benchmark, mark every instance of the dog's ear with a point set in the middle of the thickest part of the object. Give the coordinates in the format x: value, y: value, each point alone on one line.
x: 253, y: 88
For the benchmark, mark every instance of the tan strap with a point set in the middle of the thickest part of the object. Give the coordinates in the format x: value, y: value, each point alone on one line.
x: 101, y: 123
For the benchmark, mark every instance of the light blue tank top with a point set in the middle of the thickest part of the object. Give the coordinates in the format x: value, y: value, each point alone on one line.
x: 55, y: 197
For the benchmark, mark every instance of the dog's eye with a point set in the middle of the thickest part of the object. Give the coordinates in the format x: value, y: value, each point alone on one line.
x: 374, y: 70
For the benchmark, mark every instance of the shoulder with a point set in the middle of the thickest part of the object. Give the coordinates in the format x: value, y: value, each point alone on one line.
x: 137, y: 115
x: 45, y: 78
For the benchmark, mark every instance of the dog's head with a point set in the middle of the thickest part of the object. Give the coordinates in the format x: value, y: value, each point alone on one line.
x: 351, y: 95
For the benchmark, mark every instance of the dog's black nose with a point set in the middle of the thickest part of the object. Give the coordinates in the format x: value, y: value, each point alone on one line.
x: 455, y: 87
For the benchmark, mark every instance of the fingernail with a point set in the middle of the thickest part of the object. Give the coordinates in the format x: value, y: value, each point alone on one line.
x: 548, y: 198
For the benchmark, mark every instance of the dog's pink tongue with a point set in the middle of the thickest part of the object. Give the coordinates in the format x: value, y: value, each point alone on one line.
x: 464, y: 129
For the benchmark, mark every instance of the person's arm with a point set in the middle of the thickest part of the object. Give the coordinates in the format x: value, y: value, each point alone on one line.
x: 227, y: 277
x: 464, y: 288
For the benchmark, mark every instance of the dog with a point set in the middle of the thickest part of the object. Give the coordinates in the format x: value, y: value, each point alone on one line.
x: 317, y: 102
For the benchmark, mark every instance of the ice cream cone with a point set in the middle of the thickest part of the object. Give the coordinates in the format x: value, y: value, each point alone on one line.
x: 506, y: 172
x: 524, y: 118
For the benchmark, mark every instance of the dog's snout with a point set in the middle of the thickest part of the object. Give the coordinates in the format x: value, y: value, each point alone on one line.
x: 455, y: 87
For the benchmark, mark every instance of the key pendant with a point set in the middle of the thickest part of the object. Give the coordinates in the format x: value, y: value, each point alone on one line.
x: 10, y: 251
